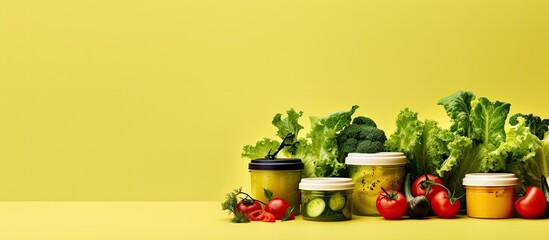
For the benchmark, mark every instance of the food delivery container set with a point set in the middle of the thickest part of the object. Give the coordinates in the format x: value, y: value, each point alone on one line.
x: 489, y: 195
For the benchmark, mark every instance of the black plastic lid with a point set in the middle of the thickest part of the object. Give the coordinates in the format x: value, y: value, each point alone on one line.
x: 276, y: 164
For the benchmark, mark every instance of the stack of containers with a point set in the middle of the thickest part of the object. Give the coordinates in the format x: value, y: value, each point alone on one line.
x: 370, y: 172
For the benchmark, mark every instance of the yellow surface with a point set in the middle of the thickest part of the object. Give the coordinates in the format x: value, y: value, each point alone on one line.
x: 154, y: 99
x: 204, y: 220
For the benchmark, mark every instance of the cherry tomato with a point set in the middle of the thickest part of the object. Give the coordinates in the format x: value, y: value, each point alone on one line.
x: 256, y: 215
x: 391, y: 205
x: 268, y: 217
x: 533, y: 204
x: 247, y: 206
x: 419, y: 187
x: 278, y: 207
x: 443, y: 206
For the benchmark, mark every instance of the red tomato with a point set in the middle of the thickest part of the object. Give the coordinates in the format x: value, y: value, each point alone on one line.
x: 533, y: 204
x: 391, y: 205
x: 246, y: 207
x: 278, y: 207
x: 443, y: 206
x: 268, y: 217
x: 256, y: 215
x: 419, y: 187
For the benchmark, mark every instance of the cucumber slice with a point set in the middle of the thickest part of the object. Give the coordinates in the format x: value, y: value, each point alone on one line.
x: 337, y: 201
x: 315, y: 207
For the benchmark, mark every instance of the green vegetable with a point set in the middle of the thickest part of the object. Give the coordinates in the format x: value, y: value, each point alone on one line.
x: 337, y: 201
x: 537, y: 126
x: 471, y: 144
x: 361, y: 136
x: 425, y: 144
x: 315, y: 207
x: 318, y: 150
x: 525, y: 154
x: 230, y: 204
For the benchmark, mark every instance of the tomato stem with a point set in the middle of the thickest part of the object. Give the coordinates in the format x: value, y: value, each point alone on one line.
x: 250, y: 197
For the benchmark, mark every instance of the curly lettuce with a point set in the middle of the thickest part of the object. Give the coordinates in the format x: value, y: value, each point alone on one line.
x: 423, y: 143
x: 470, y: 145
x: 526, y: 155
x: 318, y: 149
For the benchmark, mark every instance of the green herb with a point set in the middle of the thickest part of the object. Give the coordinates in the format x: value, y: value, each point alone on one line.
x: 288, y: 213
x: 268, y: 194
x: 230, y: 205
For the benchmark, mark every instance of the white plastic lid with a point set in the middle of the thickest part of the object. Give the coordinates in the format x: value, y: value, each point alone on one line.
x: 326, y: 184
x: 490, y: 179
x: 381, y: 158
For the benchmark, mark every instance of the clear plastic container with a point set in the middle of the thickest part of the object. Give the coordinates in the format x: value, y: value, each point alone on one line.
x: 280, y: 176
x: 370, y: 172
x: 326, y: 199
x: 490, y: 195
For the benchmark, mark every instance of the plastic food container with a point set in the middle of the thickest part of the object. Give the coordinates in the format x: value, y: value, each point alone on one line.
x: 280, y: 176
x: 490, y: 195
x: 370, y: 172
x: 326, y: 199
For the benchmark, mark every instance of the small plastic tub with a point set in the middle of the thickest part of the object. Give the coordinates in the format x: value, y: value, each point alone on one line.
x: 326, y: 199
x: 280, y: 176
x: 490, y: 195
x: 370, y: 172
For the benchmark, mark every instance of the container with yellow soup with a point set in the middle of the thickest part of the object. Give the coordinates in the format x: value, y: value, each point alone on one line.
x: 490, y: 195
x: 370, y: 172
x: 280, y: 176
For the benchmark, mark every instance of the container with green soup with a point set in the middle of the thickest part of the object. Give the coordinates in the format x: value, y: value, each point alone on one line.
x: 326, y: 199
x: 280, y: 176
x: 370, y: 172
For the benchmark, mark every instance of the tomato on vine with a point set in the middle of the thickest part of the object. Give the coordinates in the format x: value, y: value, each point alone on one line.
x: 425, y: 185
x: 391, y: 205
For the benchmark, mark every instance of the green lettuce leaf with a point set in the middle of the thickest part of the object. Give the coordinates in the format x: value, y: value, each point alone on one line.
x: 319, y: 151
x: 260, y: 149
x: 288, y: 125
x: 471, y: 145
x: 458, y: 107
x: 424, y: 144
x: 488, y: 120
x: 527, y: 155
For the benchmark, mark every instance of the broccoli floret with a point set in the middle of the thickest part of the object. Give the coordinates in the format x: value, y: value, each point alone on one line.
x: 360, y: 120
x: 368, y: 146
x: 361, y: 136
x: 537, y: 126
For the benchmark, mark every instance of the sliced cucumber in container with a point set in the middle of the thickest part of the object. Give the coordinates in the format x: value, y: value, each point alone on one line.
x: 337, y: 201
x: 315, y: 207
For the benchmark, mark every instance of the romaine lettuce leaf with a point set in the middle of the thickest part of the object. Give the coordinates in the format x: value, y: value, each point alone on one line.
x: 488, y: 121
x: 458, y: 107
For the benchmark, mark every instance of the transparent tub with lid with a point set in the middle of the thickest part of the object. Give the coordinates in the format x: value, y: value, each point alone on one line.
x: 326, y: 199
x: 370, y: 172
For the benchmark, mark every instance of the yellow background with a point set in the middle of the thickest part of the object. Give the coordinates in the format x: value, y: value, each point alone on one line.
x: 154, y: 99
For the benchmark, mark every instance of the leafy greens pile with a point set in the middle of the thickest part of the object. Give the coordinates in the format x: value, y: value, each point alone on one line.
x: 477, y: 141
x: 318, y: 149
